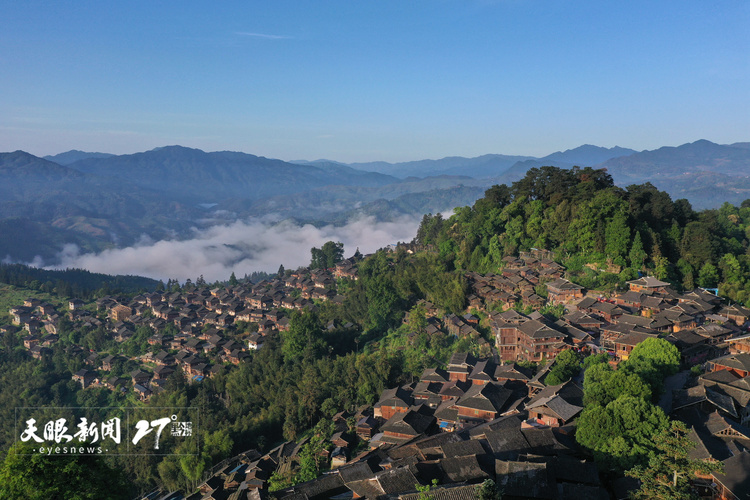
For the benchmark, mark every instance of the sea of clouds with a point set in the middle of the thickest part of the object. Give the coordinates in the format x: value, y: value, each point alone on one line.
x: 240, y: 247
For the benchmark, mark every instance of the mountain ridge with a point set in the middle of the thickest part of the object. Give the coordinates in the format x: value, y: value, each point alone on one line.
x: 100, y: 202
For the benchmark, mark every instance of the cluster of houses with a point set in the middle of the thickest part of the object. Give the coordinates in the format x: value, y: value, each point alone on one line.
x: 517, y: 283
x: 495, y: 418
x: 698, y: 322
x: 196, y: 330
x: 480, y: 419
x: 37, y: 322
x: 452, y: 429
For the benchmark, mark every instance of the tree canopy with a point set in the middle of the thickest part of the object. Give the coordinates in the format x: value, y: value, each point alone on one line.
x: 327, y: 256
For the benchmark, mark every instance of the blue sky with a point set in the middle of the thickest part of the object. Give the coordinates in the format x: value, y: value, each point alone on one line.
x: 360, y: 81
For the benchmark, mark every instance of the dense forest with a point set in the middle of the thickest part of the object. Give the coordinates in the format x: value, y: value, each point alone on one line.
x: 73, y: 282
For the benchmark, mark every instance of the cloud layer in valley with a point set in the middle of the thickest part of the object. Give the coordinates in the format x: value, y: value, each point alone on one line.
x: 240, y: 247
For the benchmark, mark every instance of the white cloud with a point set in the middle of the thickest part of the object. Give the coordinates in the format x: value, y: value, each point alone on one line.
x: 240, y: 247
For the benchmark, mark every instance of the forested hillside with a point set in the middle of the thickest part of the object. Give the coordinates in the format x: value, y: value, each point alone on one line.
x: 587, y: 220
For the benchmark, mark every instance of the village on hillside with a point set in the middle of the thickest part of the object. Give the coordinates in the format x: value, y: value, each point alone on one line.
x: 494, y: 417
x: 197, y: 331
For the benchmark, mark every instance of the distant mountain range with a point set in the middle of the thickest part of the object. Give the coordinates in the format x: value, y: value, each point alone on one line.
x: 99, y: 200
x: 75, y: 155
x: 488, y: 166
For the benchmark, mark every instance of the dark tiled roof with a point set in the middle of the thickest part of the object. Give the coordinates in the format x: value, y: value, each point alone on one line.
x: 483, y: 370
x: 736, y: 475
x: 455, y: 388
x: 460, y: 469
x: 500, y: 423
x: 463, y: 448
x: 567, y: 390
x: 489, y: 397
x: 399, y: 480
x: 437, y: 441
x: 410, y: 423
x: 507, y: 444
x: 707, y: 446
x: 322, y: 487
x: 648, y: 281
x: 543, y: 441
x: 572, y: 470
x: 512, y: 372
x: 524, y: 479
x: 462, y: 492
x: 396, y: 397
x: 737, y: 361
x: 720, y: 376
x: 434, y: 375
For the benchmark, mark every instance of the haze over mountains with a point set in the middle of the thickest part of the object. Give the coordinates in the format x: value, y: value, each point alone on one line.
x: 97, y: 201
x: 492, y: 165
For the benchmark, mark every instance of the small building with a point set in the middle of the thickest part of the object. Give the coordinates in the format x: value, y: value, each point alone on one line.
x: 625, y: 344
x: 562, y: 291
x: 75, y: 304
x: 460, y: 366
x: 393, y: 401
x: 120, y: 312
x: 144, y: 393
x: 739, y: 364
x: 557, y: 405
x: 648, y: 284
x: 85, y: 377
x: 366, y: 427
x: 255, y: 341
x: 482, y: 402
x: 736, y: 313
x: 405, y: 426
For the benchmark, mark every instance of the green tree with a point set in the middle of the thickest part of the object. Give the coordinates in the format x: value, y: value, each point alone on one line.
x: 424, y: 490
x: 670, y: 468
x: 30, y: 475
x: 698, y: 244
x: 731, y: 270
x: 617, y: 236
x: 417, y: 319
x: 327, y: 256
x: 653, y: 360
x: 661, y: 267
x: 620, y: 434
x: 708, y: 276
x: 567, y: 364
x: 312, y: 458
x: 687, y: 272
x: 637, y: 254
x: 488, y: 491
x: 595, y: 359
x: 305, y: 335
x: 233, y: 280
x: 603, y: 385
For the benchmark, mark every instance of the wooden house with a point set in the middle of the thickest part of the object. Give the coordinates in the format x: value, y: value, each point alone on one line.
x: 392, y: 401
x: 648, y: 284
x: 482, y: 402
x: 739, y: 364
x: 85, y: 377
x: 562, y: 291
